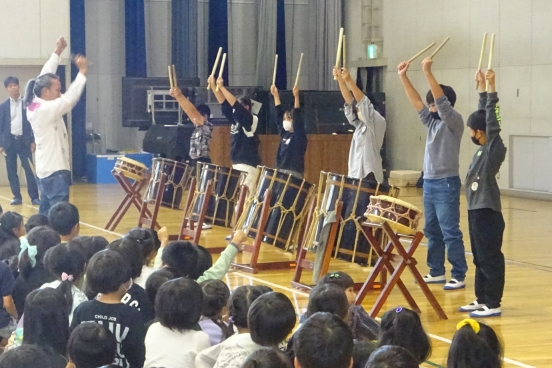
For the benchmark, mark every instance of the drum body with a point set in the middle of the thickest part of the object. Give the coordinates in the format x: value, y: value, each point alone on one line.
x: 289, y: 199
x: 355, y: 196
x: 401, y: 216
x: 130, y: 168
x: 226, y: 185
x: 178, y: 174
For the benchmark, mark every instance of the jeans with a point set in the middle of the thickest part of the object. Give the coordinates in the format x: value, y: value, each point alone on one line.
x: 18, y: 148
x: 54, y: 189
x: 442, y: 227
x: 486, y: 230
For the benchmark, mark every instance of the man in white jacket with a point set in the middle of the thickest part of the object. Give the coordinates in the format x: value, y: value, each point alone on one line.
x: 45, y: 109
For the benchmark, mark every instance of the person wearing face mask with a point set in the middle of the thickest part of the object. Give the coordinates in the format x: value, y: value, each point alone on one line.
x: 485, y: 219
x: 45, y: 109
x: 445, y: 127
x: 290, y: 158
x: 364, y: 156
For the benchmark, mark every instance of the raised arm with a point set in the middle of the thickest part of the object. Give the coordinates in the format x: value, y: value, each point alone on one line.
x: 482, y: 86
x: 187, y: 106
x: 347, y: 96
x: 359, y: 95
x: 297, y: 103
x: 227, y: 95
x: 52, y: 63
x: 278, y: 109
x: 493, y: 116
x: 218, y: 94
x: 62, y: 105
x: 436, y: 89
x: 413, y: 95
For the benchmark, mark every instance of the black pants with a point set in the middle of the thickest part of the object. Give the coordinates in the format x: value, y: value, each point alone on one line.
x: 486, y: 231
x: 18, y: 148
x: 193, y: 162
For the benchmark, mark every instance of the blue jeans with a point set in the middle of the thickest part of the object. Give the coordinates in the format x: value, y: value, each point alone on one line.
x: 54, y: 189
x: 442, y: 227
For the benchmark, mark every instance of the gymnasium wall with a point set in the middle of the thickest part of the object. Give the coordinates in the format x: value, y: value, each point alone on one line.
x: 522, y: 61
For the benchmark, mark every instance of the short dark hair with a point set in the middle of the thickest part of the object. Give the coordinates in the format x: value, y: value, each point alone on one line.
x: 403, y: 327
x: 28, y: 356
x: 106, y: 272
x: 148, y: 240
x: 328, y: 298
x: 470, y: 349
x: 204, y: 262
x: 338, y: 278
x: 264, y: 289
x: 36, y: 220
x: 63, y: 217
x: 478, y: 120
x: 240, y: 301
x: 362, y: 351
x: 178, y: 304
x: 449, y: 94
x: 392, y: 356
x: 46, y: 321
x: 44, y: 238
x: 131, y: 251
x: 215, y: 297
x: 271, y: 319
x: 156, y: 279
x: 91, y: 345
x: 245, y: 101
x: 267, y: 358
x: 9, y: 80
x: 204, y: 110
x: 91, y: 244
x: 9, y: 221
x: 323, y: 341
x: 182, y: 256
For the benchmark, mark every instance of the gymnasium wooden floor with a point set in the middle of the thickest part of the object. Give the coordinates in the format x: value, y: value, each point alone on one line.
x: 526, y: 324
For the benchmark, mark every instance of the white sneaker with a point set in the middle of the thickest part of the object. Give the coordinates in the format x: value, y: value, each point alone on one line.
x: 454, y: 284
x: 473, y: 306
x: 434, y: 279
x: 486, y: 312
x: 204, y: 226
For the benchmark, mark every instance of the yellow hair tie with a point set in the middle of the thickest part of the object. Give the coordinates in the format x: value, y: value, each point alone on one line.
x: 471, y: 322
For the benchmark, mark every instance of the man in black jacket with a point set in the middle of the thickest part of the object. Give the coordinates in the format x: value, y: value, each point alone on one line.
x: 16, y: 138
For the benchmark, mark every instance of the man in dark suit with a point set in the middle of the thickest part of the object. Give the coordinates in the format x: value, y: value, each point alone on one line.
x: 17, y: 139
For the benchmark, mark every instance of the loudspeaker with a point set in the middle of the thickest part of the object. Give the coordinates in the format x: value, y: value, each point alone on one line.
x: 169, y: 141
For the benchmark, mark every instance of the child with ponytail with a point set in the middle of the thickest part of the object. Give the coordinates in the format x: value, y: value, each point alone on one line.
x: 474, y: 345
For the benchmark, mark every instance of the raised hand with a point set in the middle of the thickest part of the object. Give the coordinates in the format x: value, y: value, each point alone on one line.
x: 61, y: 44
x: 239, y: 237
x: 163, y: 235
x: 480, y: 79
x: 345, y: 75
x: 337, y: 74
x: 176, y: 92
x: 211, y: 81
x: 82, y: 64
x: 490, y: 77
x: 403, y: 68
x: 295, y: 91
x: 274, y: 90
x: 426, y: 64
x: 220, y: 82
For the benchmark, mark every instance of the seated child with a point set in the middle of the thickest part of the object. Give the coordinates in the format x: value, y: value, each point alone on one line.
x: 403, y: 327
x: 362, y: 351
x: 28, y: 356
x: 267, y: 358
x: 391, y: 356
x: 109, y: 275
x: 173, y: 341
x: 214, y: 315
x: 474, y: 345
x: 90, y: 346
x: 11, y: 229
x: 36, y: 220
x: 149, y: 243
x: 324, y: 341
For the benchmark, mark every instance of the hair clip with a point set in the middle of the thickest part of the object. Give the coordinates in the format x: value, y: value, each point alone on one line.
x: 334, y: 276
x: 469, y: 322
x: 398, y: 310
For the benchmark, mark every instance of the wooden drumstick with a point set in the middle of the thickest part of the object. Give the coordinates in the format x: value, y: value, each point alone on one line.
x: 299, y: 69
x: 481, y: 56
x: 339, y: 46
x: 490, y: 65
x: 215, y: 66
x: 170, y: 77
x: 175, y: 80
x: 420, y: 53
x: 222, y: 68
x: 275, y: 68
x: 344, y: 64
x: 439, y: 48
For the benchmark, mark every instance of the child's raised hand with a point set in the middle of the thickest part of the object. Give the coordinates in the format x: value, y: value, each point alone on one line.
x: 402, y: 68
x: 426, y: 64
x: 239, y: 237
x: 490, y: 76
x: 211, y: 81
x: 220, y: 82
x: 295, y: 91
x: 176, y: 92
x: 480, y: 78
x: 273, y: 90
x: 336, y: 73
x: 163, y: 235
x: 345, y: 74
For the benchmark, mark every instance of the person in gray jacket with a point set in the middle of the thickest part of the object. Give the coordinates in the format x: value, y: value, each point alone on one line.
x: 445, y: 128
x: 484, y: 208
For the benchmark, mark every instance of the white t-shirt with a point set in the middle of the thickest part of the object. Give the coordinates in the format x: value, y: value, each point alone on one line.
x: 231, y: 353
x: 78, y: 296
x: 46, y: 118
x: 168, y: 348
x: 146, y: 272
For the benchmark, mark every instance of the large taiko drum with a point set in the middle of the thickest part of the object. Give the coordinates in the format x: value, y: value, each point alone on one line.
x: 130, y: 168
x: 290, y: 196
x: 351, y: 244
x: 401, y: 216
x: 178, y: 174
x: 226, y: 185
